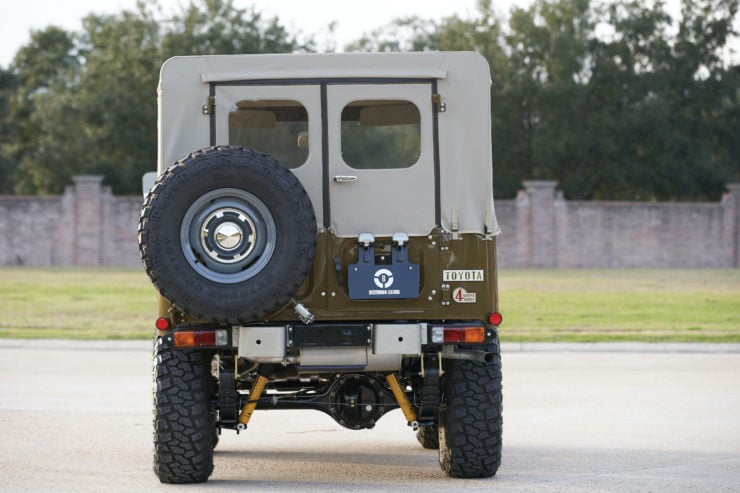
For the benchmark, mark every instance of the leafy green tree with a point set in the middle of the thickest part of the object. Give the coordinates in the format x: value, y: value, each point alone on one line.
x: 8, y: 166
x: 537, y: 105
x: 669, y: 104
x: 212, y: 27
x: 117, y: 92
x: 615, y: 100
x: 703, y: 97
x: 86, y: 102
x: 635, y: 115
x: 403, y: 34
x: 602, y: 97
x: 39, y: 69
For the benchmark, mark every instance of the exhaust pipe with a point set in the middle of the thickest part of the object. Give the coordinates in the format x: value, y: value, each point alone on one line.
x: 452, y: 352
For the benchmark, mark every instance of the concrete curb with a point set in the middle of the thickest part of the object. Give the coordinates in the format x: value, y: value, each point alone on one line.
x: 506, y: 347
x: 619, y: 347
x: 73, y: 345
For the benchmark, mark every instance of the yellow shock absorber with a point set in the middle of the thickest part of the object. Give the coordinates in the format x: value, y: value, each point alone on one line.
x: 257, y: 388
x: 401, y: 398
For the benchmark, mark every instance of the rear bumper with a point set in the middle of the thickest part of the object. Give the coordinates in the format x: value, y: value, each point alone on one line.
x: 346, y: 346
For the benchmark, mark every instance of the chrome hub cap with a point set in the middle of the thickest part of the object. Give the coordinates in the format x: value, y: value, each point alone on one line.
x: 228, y: 235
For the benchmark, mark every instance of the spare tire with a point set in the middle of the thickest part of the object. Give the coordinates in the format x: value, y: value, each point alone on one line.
x: 227, y: 234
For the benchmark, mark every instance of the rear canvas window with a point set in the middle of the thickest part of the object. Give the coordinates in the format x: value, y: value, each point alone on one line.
x: 276, y: 127
x: 381, y: 134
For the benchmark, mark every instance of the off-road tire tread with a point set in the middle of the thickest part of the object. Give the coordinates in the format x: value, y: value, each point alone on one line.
x: 471, y: 425
x: 183, y: 422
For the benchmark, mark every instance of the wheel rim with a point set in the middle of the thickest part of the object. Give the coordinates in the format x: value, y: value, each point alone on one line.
x: 228, y: 235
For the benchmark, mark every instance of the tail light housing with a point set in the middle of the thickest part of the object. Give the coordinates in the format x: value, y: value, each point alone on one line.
x: 458, y: 334
x: 200, y: 338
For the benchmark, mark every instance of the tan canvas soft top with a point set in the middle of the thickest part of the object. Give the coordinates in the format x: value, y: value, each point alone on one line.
x: 464, y: 129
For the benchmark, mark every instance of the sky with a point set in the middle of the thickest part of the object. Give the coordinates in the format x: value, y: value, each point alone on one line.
x: 18, y: 17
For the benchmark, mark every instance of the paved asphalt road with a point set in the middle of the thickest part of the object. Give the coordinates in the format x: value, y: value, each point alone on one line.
x: 76, y: 417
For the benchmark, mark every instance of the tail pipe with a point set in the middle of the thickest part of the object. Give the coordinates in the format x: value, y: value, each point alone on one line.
x: 451, y: 352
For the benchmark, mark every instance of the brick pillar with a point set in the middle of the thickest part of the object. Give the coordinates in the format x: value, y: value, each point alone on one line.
x: 541, y: 223
x: 734, y: 197
x: 64, y: 247
x: 88, y: 219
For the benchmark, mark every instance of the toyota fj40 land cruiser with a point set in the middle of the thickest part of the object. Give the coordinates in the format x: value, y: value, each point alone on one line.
x: 321, y: 233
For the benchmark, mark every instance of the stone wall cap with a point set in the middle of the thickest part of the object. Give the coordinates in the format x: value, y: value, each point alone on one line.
x: 88, y: 179
x: 540, y: 183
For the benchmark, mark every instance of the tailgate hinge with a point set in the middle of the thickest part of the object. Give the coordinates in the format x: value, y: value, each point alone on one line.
x: 439, y: 105
x: 208, y: 108
x: 446, y: 295
x: 455, y: 224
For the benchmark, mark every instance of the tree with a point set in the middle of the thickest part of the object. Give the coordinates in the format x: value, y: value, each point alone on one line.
x: 670, y: 104
x: 632, y: 115
x: 636, y: 113
x: 703, y: 96
x: 547, y: 43
x: 212, y: 27
x: 39, y: 69
x: 88, y: 99
x: 8, y: 166
x: 614, y: 100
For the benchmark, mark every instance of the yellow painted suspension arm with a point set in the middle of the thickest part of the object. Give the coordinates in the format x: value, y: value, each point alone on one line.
x: 401, y: 398
x: 257, y: 388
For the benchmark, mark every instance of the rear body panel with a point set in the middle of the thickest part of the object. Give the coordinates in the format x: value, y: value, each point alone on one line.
x: 329, y: 300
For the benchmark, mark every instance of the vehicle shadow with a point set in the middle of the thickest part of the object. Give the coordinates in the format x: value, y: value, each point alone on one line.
x: 522, y: 469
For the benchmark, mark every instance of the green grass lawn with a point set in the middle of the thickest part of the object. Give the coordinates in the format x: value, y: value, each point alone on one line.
x: 538, y: 305
x: 620, y: 305
x: 79, y: 303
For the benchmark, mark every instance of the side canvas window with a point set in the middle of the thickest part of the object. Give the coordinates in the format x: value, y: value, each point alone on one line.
x: 381, y: 134
x: 276, y: 127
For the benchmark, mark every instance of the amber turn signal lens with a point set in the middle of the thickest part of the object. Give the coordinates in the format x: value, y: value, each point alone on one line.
x: 184, y: 339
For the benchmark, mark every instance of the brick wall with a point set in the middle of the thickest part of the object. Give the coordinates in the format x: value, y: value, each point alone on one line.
x: 541, y: 229
x: 89, y: 226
